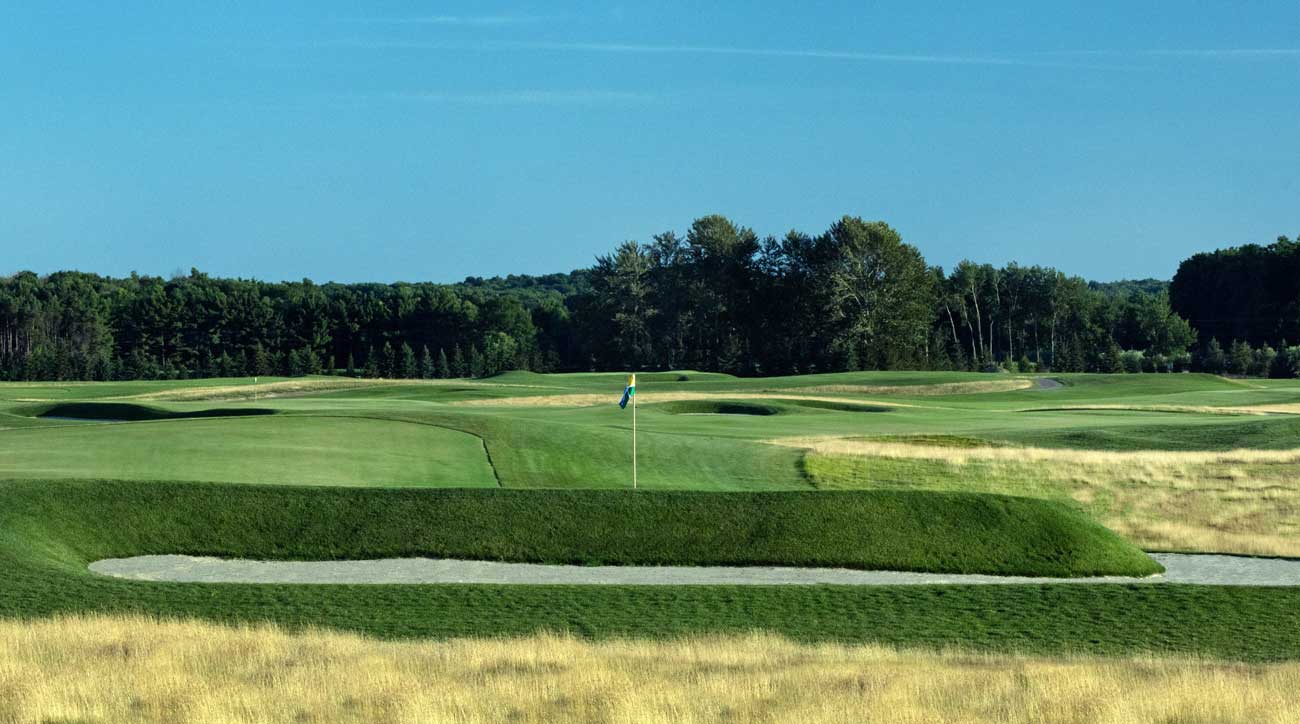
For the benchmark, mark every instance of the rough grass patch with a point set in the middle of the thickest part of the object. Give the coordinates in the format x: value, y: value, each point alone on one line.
x: 134, y: 668
x: 1242, y: 501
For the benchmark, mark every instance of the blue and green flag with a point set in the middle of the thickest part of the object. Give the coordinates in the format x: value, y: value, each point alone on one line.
x: 628, y: 391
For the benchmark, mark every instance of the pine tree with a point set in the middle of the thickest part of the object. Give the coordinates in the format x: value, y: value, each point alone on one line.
x: 427, y: 371
x: 101, y: 367
x: 263, y: 362
x: 388, y: 362
x: 372, y: 369
x: 444, y: 368
x: 1240, y: 357
x: 1286, y: 364
x: 352, y: 367
x: 207, y: 366
x: 408, y: 366
x: 1262, y: 364
x: 305, y: 362
x: 458, y: 366
x: 476, y: 366
x: 1114, y: 358
x: 311, y: 362
x: 1213, y: 360
x: 225, y: 365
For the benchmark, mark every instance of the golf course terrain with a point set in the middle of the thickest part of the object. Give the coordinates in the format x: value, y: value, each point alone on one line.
x: 1063, y: 477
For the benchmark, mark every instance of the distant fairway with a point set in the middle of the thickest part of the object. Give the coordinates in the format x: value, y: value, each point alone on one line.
x: 277, y: 449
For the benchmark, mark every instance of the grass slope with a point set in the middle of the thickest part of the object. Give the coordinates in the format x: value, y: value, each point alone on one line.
x: 49, y: 530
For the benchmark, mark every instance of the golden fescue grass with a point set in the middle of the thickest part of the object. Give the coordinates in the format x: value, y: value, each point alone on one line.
x: 946, y: 388
x: 963, y: 455
x: 1277, y: 409
x: 126, y: 669
x: 290, y: 388
x: 1238, y: 501
x: 261, y: 390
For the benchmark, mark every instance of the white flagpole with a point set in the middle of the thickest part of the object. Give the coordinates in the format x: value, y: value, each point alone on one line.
x: 634, y: 396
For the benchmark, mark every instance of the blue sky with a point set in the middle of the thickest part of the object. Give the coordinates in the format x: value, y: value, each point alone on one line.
x: 431, y: 141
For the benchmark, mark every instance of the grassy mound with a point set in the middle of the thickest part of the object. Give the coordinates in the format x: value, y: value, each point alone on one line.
x: 885, y: 530
x: 127, y: 412
x: 718, y: 407
x: 50, y: 530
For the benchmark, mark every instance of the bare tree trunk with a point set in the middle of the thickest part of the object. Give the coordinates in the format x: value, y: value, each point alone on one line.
x: 952, y: 324
x: 1053, y: 338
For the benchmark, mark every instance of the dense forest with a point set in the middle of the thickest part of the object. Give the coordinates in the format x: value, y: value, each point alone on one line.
x: 718, y: 297
x: 1249, y: 293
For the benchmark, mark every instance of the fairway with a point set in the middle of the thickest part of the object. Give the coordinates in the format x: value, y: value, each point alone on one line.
x: 266, y: 449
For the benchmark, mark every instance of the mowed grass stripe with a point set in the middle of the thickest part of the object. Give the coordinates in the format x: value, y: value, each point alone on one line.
x: 276, y: 449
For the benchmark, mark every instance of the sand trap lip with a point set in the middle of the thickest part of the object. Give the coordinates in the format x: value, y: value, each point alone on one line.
x: 1206, y: 569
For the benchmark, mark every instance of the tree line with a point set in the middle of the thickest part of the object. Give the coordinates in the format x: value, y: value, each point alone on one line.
x: 717, y: 297
x: 1245, y: 300
x: 855, y: 297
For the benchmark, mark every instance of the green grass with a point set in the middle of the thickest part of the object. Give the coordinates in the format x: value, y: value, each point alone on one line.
x: 50, y: 530
x: 420, y: 435
x: 264, y: 449
x: 881, y: 530
x: 1269, y: 433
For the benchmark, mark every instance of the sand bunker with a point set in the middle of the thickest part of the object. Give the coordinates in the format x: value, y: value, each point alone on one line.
x: 1180, y: 568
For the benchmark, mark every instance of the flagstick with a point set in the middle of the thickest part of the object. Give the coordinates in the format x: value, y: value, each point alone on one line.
x: 634, y: 441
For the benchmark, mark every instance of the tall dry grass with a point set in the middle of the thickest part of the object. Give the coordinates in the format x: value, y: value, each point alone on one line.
x: 1282, y: 408
x: 1238, y: 501
x: 125, y: 670
x: 297, y: 387
x: 897, y: 448
x: 940, y: 388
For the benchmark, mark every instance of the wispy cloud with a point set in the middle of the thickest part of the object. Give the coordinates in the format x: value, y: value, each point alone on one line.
x: 722, y: 50
x: 448, y: 20
x: 1187, y: 52
x: 540, y: 97
x: 770, y: 52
